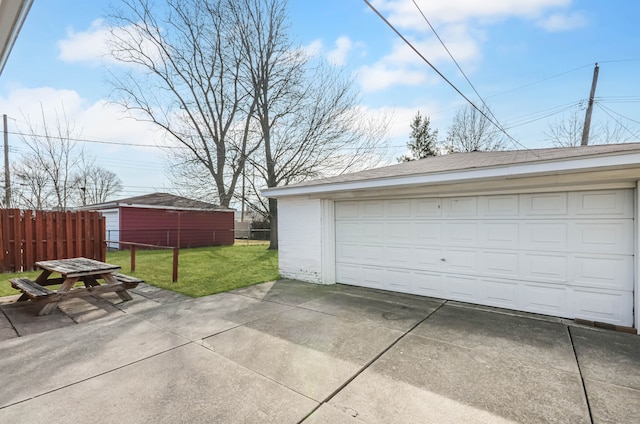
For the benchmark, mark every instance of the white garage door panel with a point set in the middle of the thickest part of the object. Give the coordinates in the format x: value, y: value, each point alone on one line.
x: 460, y: 261
x: 401, y: 255
x: 499, y: 263
x: 460, y: 233
x: 493, y: 206
x: 397, y: 279
x: 428, y: 258
x: 551, y: 268
x: 565, y: 254
x: 544, y: 236
x: 545, y: 299
x: 602, y: 306
x: 348, y: 252
x: 613, y: 272
x: 503, y: 235
x: 611, y: 203
x: 349, y: 274
x: 461, y: 206
x: 427, y: 233
x: 398, y: 209
x: 426, y: 208
x: 548, y: 204
x: 501, y: 293
x: 461, y: 288
x: 347, y: 231
x: 602, y: 237
x: 427, y: 284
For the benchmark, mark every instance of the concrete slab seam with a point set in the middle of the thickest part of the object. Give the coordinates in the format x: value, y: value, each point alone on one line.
x: 584, y: 387
x: 507, y: 312
x: 239, y: 325
x: 253, y: 371
x: 261, y: 300
x: 94, y: 376
x: 371, y: 362
x: 13, y: 327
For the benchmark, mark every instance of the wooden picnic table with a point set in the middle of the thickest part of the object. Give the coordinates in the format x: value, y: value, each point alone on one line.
x: 72, y: 271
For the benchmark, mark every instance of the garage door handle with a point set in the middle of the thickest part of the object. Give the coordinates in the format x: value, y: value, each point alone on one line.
x: 443, y: 259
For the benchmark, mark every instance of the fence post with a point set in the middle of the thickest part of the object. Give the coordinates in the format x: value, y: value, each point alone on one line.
x: 175, y: 265
x: 133, y: 258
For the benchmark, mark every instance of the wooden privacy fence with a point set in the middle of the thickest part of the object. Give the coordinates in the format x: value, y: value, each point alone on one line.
x: 28, y: 236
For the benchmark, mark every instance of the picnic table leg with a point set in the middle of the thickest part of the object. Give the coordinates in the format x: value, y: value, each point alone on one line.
x: 90, y: 281
x: 42, y: 278
x: 122, y: 294
x: 65, y: 287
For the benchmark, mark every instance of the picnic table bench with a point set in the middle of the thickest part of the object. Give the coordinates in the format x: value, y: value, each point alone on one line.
x: 72, y: 271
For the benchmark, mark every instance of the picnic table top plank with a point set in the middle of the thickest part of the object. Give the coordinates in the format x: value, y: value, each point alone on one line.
x: 78, y: 267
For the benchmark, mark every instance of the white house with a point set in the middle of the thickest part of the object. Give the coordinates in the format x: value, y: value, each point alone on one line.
x: 549, y: 231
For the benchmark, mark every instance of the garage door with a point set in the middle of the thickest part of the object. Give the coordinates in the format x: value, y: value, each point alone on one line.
x: 563, y: 254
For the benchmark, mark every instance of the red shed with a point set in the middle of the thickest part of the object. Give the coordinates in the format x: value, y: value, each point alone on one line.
x: 165, y: 219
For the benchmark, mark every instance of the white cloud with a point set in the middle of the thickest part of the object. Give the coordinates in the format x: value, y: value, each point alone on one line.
x: 402, y: 66
x: 563, y: 22
x: 338, y: 55
x: 102, y: 121
x: 405, y: 14
x: 85, y: 46
x: 314, y: 48
x: 92, y: 46
x: 381, y: 76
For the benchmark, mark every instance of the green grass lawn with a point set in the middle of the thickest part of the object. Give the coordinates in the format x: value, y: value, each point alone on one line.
x: 201, y: 271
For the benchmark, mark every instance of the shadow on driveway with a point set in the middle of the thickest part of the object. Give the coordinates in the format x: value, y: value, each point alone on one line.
x: 290, y: 352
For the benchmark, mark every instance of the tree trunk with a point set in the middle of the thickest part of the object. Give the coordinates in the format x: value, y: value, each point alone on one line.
x: 273, y: 224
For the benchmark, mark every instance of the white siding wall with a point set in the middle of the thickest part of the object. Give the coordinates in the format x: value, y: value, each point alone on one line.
x: 112, y: 224
x: 300, y: 238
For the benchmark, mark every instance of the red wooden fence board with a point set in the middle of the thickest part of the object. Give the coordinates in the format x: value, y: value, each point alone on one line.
x: 30, y: 236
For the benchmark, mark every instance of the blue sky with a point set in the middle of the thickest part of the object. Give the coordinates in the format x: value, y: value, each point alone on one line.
x: 528, y: 59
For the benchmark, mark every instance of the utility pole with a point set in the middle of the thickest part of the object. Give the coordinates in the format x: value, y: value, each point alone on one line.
x: 587, y: 117
x: 7, y: 181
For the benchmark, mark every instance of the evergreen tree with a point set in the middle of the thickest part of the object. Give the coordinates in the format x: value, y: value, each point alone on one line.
x: 422, y: 140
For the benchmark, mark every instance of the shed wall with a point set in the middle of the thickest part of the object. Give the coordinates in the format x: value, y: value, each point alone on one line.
x: 300, y: 239
x: 176, y: 228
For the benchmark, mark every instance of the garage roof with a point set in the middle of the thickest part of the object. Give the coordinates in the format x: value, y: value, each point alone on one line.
x: 160, y: 200
x: 460, y: 167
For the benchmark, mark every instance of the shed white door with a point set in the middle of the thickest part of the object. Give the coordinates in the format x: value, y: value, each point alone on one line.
x: 564, y: 254
x: 112, y: 227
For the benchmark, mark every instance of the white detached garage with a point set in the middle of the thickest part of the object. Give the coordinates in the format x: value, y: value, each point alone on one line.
x: 550, y: 231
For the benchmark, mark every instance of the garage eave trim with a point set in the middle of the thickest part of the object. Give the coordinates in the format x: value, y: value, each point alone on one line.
x: 499, y: 173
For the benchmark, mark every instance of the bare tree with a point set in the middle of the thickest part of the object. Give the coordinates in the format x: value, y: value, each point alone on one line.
x: 30, y: 186
x: 306, y: 112
x: 225, y: 82
x: 54, y: 172
x: 567, y: 131
x: 471, y: 131
x: 184, y: 76
x: 94, y: 184
x: 51, y: 153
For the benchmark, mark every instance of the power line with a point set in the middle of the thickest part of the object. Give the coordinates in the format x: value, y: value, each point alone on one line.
x: 608, y: 110
x: 541, y: 81
x: 537, y: 116
x: 441, y: 75
x: 454, y: 60
x: 87, y: 140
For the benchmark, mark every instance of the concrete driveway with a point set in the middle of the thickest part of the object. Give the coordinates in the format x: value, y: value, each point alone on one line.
x: 290, y: 352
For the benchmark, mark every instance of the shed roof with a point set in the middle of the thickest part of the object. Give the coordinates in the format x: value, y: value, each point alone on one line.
x: 439, y: 168
x: 159, y: 200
